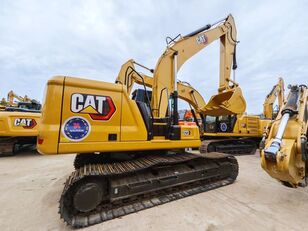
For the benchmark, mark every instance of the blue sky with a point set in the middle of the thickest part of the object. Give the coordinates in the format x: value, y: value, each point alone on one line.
x: 92, y: 39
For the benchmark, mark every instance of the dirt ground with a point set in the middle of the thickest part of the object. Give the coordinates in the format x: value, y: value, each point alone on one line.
x: 31, y: 184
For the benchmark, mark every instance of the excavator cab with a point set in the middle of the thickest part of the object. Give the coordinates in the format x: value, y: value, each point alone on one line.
x: 226, y: 103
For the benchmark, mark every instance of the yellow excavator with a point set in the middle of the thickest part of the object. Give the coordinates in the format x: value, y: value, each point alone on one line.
x: 131, y: 148
x: 246, y: 130
x: 285, y: 156
x: 270, y: 111
x: 240, y: 133
x: 11, y: 96
x: 18, y: 124
x: 3, y: 104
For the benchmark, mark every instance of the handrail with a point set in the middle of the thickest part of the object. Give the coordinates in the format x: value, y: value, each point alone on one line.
x: 146, y: 93
x: 160, y: 96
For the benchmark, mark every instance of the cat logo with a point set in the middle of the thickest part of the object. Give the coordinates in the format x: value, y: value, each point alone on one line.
x: 26, y: 123
x: 202, y: 39
x: 97, y: 106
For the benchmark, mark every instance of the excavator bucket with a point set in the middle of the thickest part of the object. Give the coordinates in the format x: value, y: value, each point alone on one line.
x: 226, y: 103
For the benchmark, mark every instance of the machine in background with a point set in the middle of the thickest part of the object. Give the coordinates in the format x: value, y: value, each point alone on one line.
x: 19, y: 123
x: 285, y: 155
x: 240, y: 133
x: 235, y: 134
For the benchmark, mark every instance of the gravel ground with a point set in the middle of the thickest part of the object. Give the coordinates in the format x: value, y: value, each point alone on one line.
x: 31, y: 185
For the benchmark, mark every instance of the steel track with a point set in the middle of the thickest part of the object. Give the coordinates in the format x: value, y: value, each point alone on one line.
x: 117, y: 208
x: 230, y: 146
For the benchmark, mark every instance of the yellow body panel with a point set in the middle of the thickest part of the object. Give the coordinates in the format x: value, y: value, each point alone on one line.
x: 289, y: 165
x: 125, y: 125
x: 19, y: 123
x: 88, y: 147
x: 189, y: 132
x: 245, y: 126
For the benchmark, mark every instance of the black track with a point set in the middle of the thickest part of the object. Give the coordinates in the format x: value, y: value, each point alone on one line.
x: 218, y: 170
x: 230, y: 146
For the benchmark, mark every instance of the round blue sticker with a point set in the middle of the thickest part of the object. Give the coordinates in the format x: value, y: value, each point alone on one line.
x: 223, y: 127
x: 76, y: 128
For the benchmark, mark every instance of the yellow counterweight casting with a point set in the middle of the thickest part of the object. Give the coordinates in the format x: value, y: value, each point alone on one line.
x: 17, y: 131
x: 19, y: 123
x: 90, y: 100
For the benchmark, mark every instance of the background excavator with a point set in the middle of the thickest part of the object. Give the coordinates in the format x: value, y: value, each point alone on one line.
x: 241, y: 133
x: 246, y: 131
x: 18, y: 124
x: 270, y: 110
x: 22, y: 103
x: 285, y: 156
x: 131, y: 149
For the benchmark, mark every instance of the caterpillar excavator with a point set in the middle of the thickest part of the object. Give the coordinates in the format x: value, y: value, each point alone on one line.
x: 246, y: 130
x: 3, y: 104
x: 131, y: 148
x: 9, y: 102
x: 240, y: 133
x: 18, y: 124
x: 12, y: 95
x: 22, y: 103
x: 277, y: 93
x: 285, y: 156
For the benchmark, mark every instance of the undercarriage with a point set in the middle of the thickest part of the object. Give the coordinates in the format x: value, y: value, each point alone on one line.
x: 105, y: 190
x: 230, y: 146
x: 10, y: 146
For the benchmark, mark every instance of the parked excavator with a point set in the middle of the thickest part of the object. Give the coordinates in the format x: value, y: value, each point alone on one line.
x: 270, y: 111
x: 131, y: 151
x: 11, y: 96
x: 285, y: 156
x: 22, y: 103
x: 3, y: 104
x: 18, y: 124
x: 233, y: 133
x: 240, y: 134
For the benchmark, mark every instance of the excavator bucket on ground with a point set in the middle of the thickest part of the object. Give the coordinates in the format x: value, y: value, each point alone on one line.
x: 226, y: 103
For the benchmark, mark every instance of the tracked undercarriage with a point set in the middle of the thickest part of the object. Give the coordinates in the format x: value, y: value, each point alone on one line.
x: 229, y: 146
x: 11, y: 145
x: 102, y: 191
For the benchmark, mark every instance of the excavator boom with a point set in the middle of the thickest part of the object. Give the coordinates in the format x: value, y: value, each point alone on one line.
x: 229, y: 99
x: 180, y: 50
x: 186, y: 92
x: 276, y: 92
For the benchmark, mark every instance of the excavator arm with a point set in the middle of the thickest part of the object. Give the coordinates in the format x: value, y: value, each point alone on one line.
x: 276, y: 92
x: 186, y: 92
x: 12, y: 95
x: 285, y: 155
x: 229, y: 99
x: 179, y: 51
